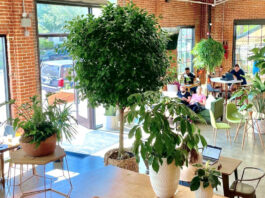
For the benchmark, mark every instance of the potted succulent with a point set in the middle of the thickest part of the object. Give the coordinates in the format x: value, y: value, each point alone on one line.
x: 42, y: 126
x: 208, y: 54
x: 112, y: 64
x: 111, y: 122
x: 206, y: 178
x: 163, y: 145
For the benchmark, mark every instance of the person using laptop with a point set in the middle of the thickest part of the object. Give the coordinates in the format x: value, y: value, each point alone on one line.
x: 239, y: 74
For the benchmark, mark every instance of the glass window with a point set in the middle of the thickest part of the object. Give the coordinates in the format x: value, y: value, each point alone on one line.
x: 185, y: 45
x: 247, y: 37
x: 52, y: 18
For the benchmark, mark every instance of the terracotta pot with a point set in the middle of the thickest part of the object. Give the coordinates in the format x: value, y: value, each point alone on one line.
x: 46, y: 147
x: 204, y: 192
x: 165, y: 181
x: 128, y: 164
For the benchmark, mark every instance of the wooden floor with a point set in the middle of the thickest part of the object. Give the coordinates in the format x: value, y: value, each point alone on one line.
x: 252, y: 155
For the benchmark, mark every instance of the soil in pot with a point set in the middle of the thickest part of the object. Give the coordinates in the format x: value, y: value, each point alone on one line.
x: 129, y: 161
x: 46, y: 147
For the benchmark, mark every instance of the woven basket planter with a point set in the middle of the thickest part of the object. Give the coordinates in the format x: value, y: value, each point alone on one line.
x: 129, y: 164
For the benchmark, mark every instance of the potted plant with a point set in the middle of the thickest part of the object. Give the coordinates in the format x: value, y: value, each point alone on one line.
x: 172, y: 79
x: 206, y: 178
x: 42, y: 126
x: 208, y: 54
x: 111, y: 122
x: 112, y: 64
x: 163, y: 145
x: 252, y: 98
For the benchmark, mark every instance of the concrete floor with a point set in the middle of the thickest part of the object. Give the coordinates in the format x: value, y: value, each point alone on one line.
x: 252, y: 155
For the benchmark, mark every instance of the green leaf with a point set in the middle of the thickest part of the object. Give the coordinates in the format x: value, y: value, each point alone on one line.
x: 195, y: 183
x: 155, y: 165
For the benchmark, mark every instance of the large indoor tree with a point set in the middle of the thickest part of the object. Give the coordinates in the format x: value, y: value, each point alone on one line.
x: 120, y: 53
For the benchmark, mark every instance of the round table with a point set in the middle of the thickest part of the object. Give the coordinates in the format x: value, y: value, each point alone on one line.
x: 225, y: 83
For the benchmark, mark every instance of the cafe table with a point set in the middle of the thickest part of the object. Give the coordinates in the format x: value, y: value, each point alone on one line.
x: 225, y: 83
x: 113, y: 182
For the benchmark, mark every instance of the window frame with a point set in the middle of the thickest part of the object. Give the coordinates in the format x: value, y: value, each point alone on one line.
x: 243, y: 22
x: 193, y: 43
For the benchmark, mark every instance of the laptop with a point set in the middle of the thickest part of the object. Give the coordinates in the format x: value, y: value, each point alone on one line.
x: 211, y: 154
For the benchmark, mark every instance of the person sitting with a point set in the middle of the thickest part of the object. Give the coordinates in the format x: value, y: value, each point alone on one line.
x: 198, y: 100
x: 188, y: 76
x: 184, y: 95
x: 239, y: 74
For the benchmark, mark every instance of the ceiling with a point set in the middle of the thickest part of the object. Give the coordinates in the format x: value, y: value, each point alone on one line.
x: 206, y: 2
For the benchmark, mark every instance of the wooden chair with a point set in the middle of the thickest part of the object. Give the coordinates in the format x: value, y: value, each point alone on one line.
x: 219, y: 125
x: 241, y: 189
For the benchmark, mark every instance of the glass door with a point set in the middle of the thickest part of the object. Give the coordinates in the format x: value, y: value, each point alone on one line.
x: 4, y: 96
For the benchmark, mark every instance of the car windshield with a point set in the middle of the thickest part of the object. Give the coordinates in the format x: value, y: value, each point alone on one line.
x: 50, y: 71
x: 65, y: 71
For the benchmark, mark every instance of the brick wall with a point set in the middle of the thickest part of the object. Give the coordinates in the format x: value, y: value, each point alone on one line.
x: 223, y: 17
x: 177, y: 13
x: 21, y: 50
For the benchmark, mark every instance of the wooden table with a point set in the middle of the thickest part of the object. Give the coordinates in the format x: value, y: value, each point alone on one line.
x: 229, y: 166
x: 113, y: 182
x: 190, y: 86
x: 4, y: 148
x: 21, y: 158
x: 225, y: 83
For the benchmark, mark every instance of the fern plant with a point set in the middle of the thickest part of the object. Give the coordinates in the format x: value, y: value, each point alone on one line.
x: 39, y: 123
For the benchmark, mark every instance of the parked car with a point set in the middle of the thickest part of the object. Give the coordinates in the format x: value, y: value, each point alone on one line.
x: 52, y: 54
x: 54, y: 75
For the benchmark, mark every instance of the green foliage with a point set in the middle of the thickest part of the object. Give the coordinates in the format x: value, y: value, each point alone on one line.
x: 172, y: 75
x: 252, y: 96
x: 155, y: 138
x: 110, y: 111
x: 207, y: 175
x: 208, y: 54
x: 119, y: 53
x: 259, y: 57
x: 46, y: 44
x: 173, y: 41
x: 39, y: 123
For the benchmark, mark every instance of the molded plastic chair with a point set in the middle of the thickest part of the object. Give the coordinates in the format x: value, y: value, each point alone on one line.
x: 219, y: 125
x: 238, y: 188
x: 233, y: 116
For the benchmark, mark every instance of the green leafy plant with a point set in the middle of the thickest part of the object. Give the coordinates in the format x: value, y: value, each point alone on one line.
x: 39, y: 123
x: 259, y: 57
x: 172, y: 75
x: 155, y: 138
x: 110, y: 111
x: 253, y: 96
x: 208, y: 54
x: 207, y: 175
x: 120, y: 53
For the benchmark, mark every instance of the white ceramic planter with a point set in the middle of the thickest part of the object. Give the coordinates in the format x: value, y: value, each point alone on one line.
x: 111, y: 123
x: 172, y: 88
x: 165, y: 182
x: 204, y: 192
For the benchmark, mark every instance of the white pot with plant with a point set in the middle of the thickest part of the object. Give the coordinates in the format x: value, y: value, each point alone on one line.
x: 111, y: 121
x: 172, y: 79
x: 159, y: 144
x: 206, y: 178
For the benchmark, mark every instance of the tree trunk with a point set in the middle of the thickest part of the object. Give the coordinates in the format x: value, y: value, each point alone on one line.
x: 121, y: 147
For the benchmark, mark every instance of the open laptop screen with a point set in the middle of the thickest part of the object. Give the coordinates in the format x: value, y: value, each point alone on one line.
x: 211, y: 152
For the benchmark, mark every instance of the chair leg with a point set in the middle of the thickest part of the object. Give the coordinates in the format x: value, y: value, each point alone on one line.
x: 237, y: 131
x: 228, y: 135
x: 244, y: 135
x: 215, y: 134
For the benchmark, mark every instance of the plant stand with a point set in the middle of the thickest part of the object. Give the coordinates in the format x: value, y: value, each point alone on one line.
x: 20, y: 158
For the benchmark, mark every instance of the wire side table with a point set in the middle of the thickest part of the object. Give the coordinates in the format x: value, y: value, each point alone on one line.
x: 19, y: 157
